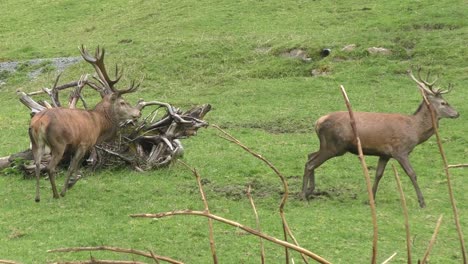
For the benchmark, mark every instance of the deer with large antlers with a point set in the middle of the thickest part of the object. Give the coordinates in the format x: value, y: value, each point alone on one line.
x: 382, y: 134
x: 59, y: 130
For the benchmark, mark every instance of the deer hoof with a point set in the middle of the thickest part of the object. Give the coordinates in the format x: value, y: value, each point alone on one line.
x: 37, y: 199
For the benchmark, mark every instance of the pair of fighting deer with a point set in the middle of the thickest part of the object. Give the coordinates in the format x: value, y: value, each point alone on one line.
x: 381, y: 134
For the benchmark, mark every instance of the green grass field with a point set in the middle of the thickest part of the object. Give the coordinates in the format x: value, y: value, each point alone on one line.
x: 229, y: 54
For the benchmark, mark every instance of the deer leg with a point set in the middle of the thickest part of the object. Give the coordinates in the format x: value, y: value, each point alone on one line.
x: 56, y: 156
x: 315, y: 160
x: 75, y: 162
x: 404, y: 162
x: 37, y: 153
x: 379, y: 174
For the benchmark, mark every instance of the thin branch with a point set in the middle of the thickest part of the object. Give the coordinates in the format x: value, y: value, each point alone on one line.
x: 207, y: 209
x: 447, y: 175
x: 3, y: 261
x: 129, y: 160
x: 389, y: 258
x: 287, y: 231
x: 237, y: 225
x: 76, y: 94
x: 405, y: 214
x: 433, y: 239
x: 366, y: 174
x: 257, y: 221
x: 155, y: 258
x: 457, y: 166
x: 101, y: 261
x: 116, y: 249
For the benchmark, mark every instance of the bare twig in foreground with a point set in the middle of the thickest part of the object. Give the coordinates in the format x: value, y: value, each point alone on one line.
x: 237, y: 225
x: 405, y: 213
x: 262, y: 249
x: 150, y: 255
x: 101, y: 261
x: 366, y: 174
x: 207, y: 209
x: 389, y: 258
x: 286, y: 229
x: 447, y: 174
x: 458, y: 166
x: 431, y: 243
x: 3, y: 261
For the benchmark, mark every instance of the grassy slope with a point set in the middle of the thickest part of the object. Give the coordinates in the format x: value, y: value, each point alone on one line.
x: 226, y: 53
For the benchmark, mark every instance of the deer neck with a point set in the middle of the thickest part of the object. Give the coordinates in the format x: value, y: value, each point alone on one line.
x: 423, y: 121
x: 105, y: 121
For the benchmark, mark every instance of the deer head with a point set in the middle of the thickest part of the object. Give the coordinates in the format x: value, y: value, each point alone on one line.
x: 434, y: 95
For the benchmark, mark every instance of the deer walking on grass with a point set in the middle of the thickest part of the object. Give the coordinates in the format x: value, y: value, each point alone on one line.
x: 57, y: 130
x: 384, y: 135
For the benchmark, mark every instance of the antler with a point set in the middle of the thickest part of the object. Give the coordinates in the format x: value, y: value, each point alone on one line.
x: 428, y: 87
x: 97, y: 61
x: 133, y: 87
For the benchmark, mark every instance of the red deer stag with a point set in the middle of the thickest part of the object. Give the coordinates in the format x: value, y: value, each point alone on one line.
x: 382, y: 134
x: 60, y: 129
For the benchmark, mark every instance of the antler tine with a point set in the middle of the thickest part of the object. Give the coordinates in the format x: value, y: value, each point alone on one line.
x: 420, y: 83
x: 118, y: 73
x: 449, y: 89
x: 86, y: 56
x: 133, y: 87
x: 425, y: 81
x: 98, y: 63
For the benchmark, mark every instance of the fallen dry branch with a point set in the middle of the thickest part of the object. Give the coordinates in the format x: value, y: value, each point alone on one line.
x: 149, y: 255
x: 405, y: 214
x: 287, y: 231
x: 237, y: 225
x: 366, y: 174
x: 446, y: 170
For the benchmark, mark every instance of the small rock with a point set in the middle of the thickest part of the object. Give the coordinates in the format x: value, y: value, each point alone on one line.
x: 319, y: 72
x: 349, y: 47
x: 379, y: 50
x: 297, y: 53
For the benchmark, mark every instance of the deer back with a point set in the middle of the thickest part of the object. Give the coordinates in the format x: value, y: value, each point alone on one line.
x: 380, y: 133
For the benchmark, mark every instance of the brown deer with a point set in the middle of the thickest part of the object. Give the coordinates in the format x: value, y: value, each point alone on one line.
x: 61, y: 129
x: 382, y: 134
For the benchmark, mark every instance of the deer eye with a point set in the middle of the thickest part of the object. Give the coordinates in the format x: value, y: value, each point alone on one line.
x: 444, y: 103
